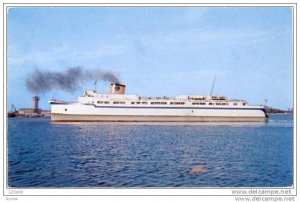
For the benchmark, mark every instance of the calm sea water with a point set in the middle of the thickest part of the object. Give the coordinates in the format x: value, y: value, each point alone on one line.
x: 45, y: 154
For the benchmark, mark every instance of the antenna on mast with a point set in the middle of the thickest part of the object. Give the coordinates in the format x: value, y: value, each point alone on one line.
x: 213, y: 85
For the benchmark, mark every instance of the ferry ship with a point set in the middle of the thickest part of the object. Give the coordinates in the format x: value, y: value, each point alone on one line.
x: 116, y: 106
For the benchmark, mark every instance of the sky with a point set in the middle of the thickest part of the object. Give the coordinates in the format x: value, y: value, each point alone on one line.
x: 156, y: 51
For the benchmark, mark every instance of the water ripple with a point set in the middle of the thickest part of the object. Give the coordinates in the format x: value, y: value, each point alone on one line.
x: 43, y: 154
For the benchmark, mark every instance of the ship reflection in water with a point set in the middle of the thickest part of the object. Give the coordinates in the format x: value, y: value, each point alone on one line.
x: 46, y: 154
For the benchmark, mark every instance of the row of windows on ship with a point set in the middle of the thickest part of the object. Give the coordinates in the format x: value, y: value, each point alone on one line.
x: 165, y: 103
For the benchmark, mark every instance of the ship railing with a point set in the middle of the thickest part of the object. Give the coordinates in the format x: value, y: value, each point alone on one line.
x: 236, y: 100
x: 155, y: 98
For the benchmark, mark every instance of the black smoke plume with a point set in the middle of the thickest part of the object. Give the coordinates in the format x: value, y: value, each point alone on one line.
x: 69, y: 80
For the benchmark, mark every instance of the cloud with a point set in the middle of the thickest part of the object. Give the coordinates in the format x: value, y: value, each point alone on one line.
x: 192, y: 15
x: 197, y: 38
x: 63, y: 52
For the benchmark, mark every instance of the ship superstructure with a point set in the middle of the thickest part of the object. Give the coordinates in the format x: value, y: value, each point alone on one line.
x: 116, y: 106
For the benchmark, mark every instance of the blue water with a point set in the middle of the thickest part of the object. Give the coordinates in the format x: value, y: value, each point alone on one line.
x: 45, y: 154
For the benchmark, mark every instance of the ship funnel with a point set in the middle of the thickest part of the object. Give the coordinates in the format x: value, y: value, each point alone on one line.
x: 116, y: 88
x: 35, y: 104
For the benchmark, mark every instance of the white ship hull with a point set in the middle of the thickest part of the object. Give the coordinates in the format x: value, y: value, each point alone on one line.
x: 92, y: 113
x: 118, y: 107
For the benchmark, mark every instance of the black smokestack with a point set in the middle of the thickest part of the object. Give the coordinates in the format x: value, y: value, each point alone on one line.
x: 69, y: 80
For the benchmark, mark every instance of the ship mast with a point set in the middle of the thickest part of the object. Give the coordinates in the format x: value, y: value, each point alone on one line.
x: 95, y: 85
x: 213, y: 85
